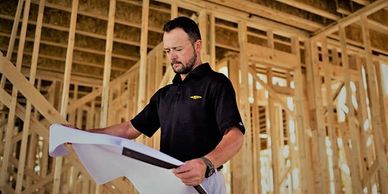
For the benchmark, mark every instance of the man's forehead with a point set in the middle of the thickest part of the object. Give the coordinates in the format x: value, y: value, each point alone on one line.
x: 171, y: 42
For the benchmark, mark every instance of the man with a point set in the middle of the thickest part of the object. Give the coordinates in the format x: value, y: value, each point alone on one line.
x: 197, y: 113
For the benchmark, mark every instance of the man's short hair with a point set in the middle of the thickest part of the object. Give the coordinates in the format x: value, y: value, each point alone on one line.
x: 185, y: 23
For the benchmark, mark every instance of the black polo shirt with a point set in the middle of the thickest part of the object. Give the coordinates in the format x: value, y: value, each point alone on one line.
x: 193, y: 114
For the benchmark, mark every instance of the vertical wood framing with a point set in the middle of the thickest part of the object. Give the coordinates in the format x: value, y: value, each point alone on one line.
x: 212, y: 45
x: 203, y: 28
x: 380, y: 83
x: 243, y: 182
x: 274, y: 131
x: 319, y: 157
x: 143, y: 56
x: 107, y: 63
x: 13, y: 36
x: 354, y: 162
x: 375, y: 110
x: 65, y: 92
x: 11, y: 115
x: 27, y: 118
x: 331, y: 117
x: 302, y: 162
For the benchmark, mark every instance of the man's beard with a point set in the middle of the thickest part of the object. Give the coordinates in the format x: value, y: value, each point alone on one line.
x: 185, y: 68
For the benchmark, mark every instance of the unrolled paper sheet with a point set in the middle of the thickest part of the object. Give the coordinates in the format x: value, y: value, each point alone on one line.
x: 102, y: 157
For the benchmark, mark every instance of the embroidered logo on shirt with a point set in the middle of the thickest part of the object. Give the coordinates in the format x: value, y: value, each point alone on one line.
x: 195, y: 97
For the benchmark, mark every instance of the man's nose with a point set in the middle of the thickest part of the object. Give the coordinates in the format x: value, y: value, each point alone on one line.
x: 173, y: 55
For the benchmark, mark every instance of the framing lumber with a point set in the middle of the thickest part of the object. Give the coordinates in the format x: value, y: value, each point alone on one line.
x: 65, y: 92
x: 108, y: 64
x: 141, y: 102
x: 270, y: 13
x: 375, y: 111
x: 310, y: 8
x: 354, y: 162
x: 12, y: 107
x: 373, y: 7
x: 26, y: 124
x: 331, y: 117
x: 299, y: 99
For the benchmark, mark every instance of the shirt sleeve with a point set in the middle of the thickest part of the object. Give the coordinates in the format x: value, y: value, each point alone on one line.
x: 225, y: 106
x: 147, y: 121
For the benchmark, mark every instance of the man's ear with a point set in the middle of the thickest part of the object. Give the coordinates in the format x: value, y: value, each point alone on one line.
x: 198, y: 45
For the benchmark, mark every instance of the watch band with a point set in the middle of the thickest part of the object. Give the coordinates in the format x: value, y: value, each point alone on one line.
x: 209, y: 167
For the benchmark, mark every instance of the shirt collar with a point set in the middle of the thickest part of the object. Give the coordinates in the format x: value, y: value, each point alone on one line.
x: 199, y: 71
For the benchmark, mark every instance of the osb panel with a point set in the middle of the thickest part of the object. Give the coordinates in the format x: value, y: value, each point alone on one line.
x: 154, y: 38
x: 380, y: 16
x: 6, y: 26
x: 157, y: 19
x: 127, y: 32
x: 89, y: 57
x: 55, y: 36
x: 51, y: 50
x: 257, y: 40
x: 122, y: 63
x: 227, y: 37
x: 58, y: 66
x: 379, y: 40
x: 125, y: 49
x: 90, y: 24
x: 8, y: 7
x: 65, y: 3
x: 186, y: 12
x: 128, y: 12
x: 294, y: 11
x: 89, y: 42
x: 222, y: 52
x: 56, y: 17
x: 4, y: 41
x: 33, y: 15
x: 282, y: 47
x: 100, y: 7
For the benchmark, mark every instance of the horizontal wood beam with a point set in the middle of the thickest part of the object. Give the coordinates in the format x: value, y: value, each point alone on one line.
x: 310, y: 8
x: 236, y: 14
x: 367, y: 10
x: 45, y: 74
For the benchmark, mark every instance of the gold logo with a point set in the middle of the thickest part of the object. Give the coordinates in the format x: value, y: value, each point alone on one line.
x: 195, y: 97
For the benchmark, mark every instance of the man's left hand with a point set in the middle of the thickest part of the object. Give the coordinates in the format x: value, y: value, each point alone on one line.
x: 192, y: 172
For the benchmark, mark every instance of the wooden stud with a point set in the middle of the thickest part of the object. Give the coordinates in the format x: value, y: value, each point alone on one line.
x: 12, y: 107
x: 212, y: 45
x: 380, y: 84
x: 354, y: 162
x: 243, y: 182
x: 304, y: 165
x: 274, y: 131
x: 65, y: 92
x: 13, y: 36
x: 331, y: 117
x: 143, y: 57
x: 26, y: 124
x: 107, y: 64
x: 375, y: 110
